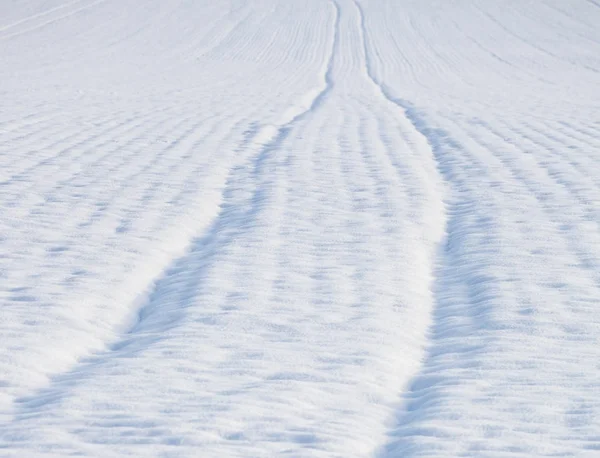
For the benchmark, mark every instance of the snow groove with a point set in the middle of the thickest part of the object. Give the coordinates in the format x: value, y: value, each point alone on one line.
x: 317, y: 229
x: 240, y: 202
x: 443, y: 264
x: 488, y: 295
x: 483, y: 312
x: 161, y: 304
x: 33, y: 28
x: 38, y: 15
x: 460, y: 296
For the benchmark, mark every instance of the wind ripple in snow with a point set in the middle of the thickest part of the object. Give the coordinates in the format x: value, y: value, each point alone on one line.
x: 345, y: 228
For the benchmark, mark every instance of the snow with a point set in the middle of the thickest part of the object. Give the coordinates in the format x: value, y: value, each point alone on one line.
x: 312, y: 229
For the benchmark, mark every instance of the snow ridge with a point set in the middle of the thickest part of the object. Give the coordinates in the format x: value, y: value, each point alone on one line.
x: 316, y: 229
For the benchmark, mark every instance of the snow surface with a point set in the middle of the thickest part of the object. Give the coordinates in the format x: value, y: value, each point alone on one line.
x: 317, y: 228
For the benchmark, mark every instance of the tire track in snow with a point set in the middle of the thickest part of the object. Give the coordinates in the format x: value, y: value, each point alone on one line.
x: 238, y: 204
x: 266, y: 139
x: 460, y: 294
x: 417, y: 392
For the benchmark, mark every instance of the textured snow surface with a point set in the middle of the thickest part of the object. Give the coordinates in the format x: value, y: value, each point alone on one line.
x: 317, y: 228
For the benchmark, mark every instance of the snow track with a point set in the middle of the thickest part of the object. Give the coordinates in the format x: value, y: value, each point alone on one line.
x: 325, y: 228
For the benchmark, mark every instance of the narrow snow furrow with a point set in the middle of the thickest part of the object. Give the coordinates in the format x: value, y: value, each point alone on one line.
x: 46, y: 170
x: 45, y: 23
x: 61, y: 137
x: 572, y: 25
x: 567, y: 202
x: 220, y: 37
x: 316, y: 229
x: 558, y: 142
x: 549, y: 154
x: 46, y: 139
x: 585, y: 137
x: 506, y: 27
x: 38, y: 15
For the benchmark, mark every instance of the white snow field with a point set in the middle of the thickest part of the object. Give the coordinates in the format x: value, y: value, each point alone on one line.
x: 304, y: 228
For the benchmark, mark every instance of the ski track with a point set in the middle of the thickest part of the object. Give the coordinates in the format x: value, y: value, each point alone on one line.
x: 325, y: 228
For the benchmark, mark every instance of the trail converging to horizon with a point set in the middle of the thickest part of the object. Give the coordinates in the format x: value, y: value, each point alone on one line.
x: 321, y: 228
